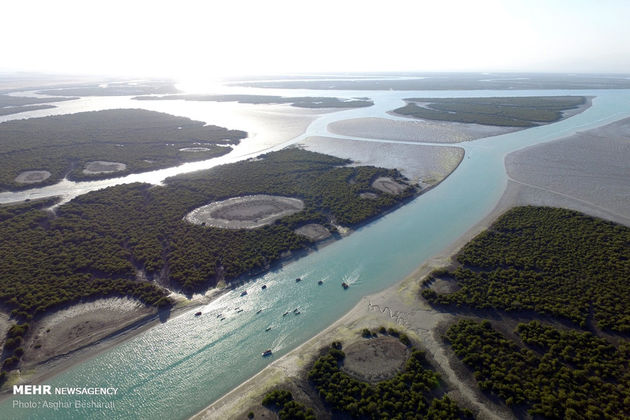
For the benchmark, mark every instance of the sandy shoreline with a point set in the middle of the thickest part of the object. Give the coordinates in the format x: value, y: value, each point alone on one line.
x: 417, y: 130
x: 117, y: 329
x: 422, y: 164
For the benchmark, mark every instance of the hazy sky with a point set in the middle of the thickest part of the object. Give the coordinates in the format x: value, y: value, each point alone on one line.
x: 199, y: 39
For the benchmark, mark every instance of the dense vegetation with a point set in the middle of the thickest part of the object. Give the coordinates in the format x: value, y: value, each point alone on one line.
x: 96, y: 243
x: 288, y: 408
x: 558, y: 374
x: 25, y: 108
x: 509, y: 112
x: 547, y: 260
x: 19, y: 101
x: 405, y: 396
x: 143, y: 140
x: 16, y: 104
x: 300, y: 102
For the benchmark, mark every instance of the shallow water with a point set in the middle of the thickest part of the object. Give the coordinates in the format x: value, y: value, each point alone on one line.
x: 179, y: 367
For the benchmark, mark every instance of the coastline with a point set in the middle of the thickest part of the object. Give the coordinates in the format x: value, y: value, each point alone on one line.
x: 399, y: 305
x: 392, y: 305
x: 39, y: 372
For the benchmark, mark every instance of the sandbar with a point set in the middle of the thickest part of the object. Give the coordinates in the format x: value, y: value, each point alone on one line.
x: 415, y: 130
x: 76, y: 326
x: 587, y: 172
x: 422, y: 164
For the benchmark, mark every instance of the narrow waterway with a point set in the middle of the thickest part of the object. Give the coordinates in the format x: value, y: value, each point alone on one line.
x: 175, y: 369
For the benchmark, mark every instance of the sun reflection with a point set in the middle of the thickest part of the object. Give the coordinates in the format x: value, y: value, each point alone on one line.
x: 199, y: 84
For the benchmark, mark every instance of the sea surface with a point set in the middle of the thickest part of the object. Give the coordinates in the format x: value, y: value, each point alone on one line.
x: 177, y: 368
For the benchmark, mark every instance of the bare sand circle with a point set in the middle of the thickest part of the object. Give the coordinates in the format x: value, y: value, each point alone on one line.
x: 247, y: 212
x: 194, y: 149
x: 103, y: 167
x: 32, y: 177
x: 313, y: 231
x: 388, y: 185
x: 368, y: 195
x: 375, y: 359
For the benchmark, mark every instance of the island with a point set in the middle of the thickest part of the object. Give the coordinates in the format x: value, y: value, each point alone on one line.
x: 101, y: 144
x: 503, y: 112
x: 143, y: 242
x: 10, y: 104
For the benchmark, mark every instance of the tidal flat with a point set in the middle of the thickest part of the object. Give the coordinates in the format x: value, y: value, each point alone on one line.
x: 422, y: 164
x: 586, y: 172
x: 416, y: 131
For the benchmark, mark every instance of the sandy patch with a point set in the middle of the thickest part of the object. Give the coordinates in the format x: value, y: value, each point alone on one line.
x: 422, y: 164
x: 376, y: 359
x: 5, y: 324
x: 444, y: 286
x: 103, y: 167
x: 587, y: 172
x: 388, y: 185
x: 415, y: 130
x: 246, y: 212
x: 79, y: 325
x: 31, y: 177
x: 313, y: 231
x: 368, y: 195
x: 194, y: 149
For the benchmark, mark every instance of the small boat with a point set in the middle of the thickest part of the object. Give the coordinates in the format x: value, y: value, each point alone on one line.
x: 244, y: 292
x: 286, y: 313
x: 198, y: 313
x: 297, y: 312
x: 222, y: 319
x: 298, y: 280
x: 239, y: 311
x: 219, y: 316
x: 267, y: 353
x: 320, y: 282
x: 258, y: 311
x: 268, y: 328
x: 264, y: 286
x: 344, y: 285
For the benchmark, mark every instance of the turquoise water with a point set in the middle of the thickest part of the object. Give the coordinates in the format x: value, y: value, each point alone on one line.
x: 175, y: 369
